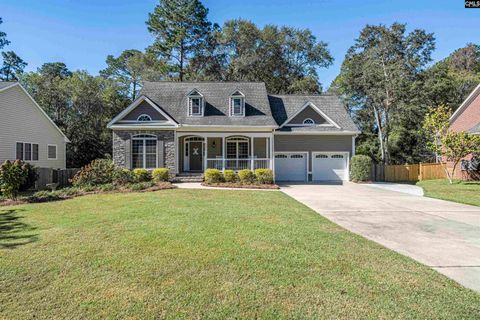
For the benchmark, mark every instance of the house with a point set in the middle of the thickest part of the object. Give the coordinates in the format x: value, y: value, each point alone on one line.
x: 191, y: 126
x: 26, y: 131
x: 467, y: 118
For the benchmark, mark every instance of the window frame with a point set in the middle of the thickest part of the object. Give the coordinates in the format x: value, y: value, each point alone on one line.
x: 33, y: 152
x: 308, y: 122
x: 237, y: 96
x: 194, y: 95
x: 29, y: 151
x: 48, y: 151
x: 22, y: 150
x: 144, y: 138
x: 144, y: 115
x: 236, y: 141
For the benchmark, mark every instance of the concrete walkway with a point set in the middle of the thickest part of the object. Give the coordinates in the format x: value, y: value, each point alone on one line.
x: 440, y: 234
x: 198, y: 185
x: 398, y: 187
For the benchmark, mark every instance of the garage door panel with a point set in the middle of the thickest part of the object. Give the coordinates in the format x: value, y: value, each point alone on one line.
x: 329, y: 167
x: 290, y: 166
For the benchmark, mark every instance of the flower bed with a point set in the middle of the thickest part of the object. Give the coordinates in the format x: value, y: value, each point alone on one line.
x: 241, y: 185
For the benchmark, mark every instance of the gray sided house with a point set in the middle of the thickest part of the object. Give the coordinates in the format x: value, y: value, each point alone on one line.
x: 26, y: 131
x: 192, y: 126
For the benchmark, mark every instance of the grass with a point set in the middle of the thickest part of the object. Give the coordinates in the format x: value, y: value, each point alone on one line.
x: 207, y: 254
x: 467, y: 192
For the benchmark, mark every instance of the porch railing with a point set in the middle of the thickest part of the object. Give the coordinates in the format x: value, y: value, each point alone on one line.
x: 238, y: 164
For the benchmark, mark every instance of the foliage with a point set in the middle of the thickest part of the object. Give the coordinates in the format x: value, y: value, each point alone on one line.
x: 12, y: 176
x: 264, y: 176
x: 12, y: 66
x: 141, y: 175
x: 447, y: 144
x: 181, y: 30
x: 213, y: 176
x: 160, y: 174
x: 3, y: 37
x: 99, y: 171
x: 106, y: 187
x: 122, y: 176
x: 230, y: 176
x: 31, y: 178
x: 246, y: 176
x: 138, y: 186
x: 360, y: 167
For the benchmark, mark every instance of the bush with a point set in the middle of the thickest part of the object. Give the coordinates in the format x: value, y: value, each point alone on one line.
x: 360, y: 168
x: 160, y: 174
x: 230, y: 176
x: 246, y: 176
x: 141, y: 186
x: 141, y: 175
x: 264, y: 176
x: 213, y: 176
x: 123, y: 176
x: 100, y: 171
x: 32, y: 176
x: 106, y: 187
x: 44, y: 196
x: 12, y: 176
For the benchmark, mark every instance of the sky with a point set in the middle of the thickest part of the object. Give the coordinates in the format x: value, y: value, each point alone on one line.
x: 82, y: 33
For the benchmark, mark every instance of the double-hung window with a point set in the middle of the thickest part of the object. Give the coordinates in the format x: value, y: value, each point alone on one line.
x: 52, y: 152
x: 144, y: 151
x: 26, y: 151
x: 237, y: 104
x: 195, y: 104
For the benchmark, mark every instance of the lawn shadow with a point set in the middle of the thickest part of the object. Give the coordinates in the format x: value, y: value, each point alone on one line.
x: 14, y: 232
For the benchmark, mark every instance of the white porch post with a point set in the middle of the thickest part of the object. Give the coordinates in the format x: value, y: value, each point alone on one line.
x: 205, y: 153
x: 251, y: 157
x: 224, y: 147
x: 272, y: 155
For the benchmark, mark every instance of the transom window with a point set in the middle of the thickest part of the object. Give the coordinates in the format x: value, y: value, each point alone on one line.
x: 237, y: 104
x: 237, y: 148
x: 144, y: 118
x: 195, y: 104
x: 308, y: 121
x: 144, y: 151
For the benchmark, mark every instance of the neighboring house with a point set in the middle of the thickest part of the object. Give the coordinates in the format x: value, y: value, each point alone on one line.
x: 191, y: 126
x: 467, y: 118
x: 26, y: 131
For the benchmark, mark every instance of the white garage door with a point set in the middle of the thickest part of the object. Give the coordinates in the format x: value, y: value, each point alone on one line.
x: 291, y: 166
x: 329, y: 166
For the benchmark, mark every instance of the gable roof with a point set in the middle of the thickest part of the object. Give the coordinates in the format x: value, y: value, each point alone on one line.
x: 172, y: 97
x: 472, y: 96
x: 8, y: 84
x: 286, y: 107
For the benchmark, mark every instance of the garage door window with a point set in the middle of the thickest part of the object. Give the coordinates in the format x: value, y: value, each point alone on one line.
x: 337, y: 156
x: 321, y: 156
x: 296, y: 156
x: 281, y: 156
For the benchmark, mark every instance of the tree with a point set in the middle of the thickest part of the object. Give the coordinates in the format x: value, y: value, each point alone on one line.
x: 379, y: 73
x: 13, y: 65
x: 181, y: 30
x: 131, y: 67
x: 446, y: 144
x: 3, y: 37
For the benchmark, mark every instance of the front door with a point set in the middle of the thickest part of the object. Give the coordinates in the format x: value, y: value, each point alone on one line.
x: 196, y: 159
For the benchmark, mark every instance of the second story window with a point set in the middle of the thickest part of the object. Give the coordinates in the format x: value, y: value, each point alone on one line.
x: 195, y: 104
x: 237, y: 104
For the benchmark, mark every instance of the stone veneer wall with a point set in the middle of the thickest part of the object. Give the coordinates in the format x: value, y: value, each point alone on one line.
x: 120, y: 138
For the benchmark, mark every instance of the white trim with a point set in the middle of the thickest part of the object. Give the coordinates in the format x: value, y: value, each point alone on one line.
x: 314, y: 107
x: 223, y: 134
x: 186, y: 158
x: 56, y: 152
x: 354, y: 138
x: 144, y: 115
x: 465, y: 103
x: 132, y: 106
x: 228, y: 126
x: 312, y: 123
x: 322, y: 133
x: 232, y: 97
x: 144, y: 137
x: 295, y: 152
x: 154, y: 127
x: 39, y: 108
x: 347, y: 168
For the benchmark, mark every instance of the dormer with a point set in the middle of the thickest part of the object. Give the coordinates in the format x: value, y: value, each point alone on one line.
x: 195, y: 104
x: 237, y: 104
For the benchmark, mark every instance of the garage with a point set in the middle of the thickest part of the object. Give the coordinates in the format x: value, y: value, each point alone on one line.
x: 291, y: 166
x: 329, y: 166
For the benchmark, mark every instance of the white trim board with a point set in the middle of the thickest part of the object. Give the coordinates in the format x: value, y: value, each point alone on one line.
x: 315, y: 108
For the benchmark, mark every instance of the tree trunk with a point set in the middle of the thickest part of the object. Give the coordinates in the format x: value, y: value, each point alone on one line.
x: 380, y: 133
x: 181, y: 62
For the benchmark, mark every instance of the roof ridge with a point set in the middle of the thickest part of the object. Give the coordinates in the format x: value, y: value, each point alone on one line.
x: 208, y: 81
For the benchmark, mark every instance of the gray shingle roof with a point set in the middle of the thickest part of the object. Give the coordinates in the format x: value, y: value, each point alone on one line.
x: 475, y: 129
x: 4, y: 84
x: 285, y: 106
x: 172, y: 98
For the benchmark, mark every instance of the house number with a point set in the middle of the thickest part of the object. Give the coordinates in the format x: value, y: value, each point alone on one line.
x: 195, y: 151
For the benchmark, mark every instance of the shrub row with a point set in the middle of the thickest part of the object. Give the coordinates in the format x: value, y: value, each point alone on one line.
x: 16, y: 176
x: 103, y: 171
x: 360, y: 168
x: 260, y: 176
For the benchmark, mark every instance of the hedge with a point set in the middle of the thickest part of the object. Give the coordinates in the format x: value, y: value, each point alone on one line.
x: 360, y: 168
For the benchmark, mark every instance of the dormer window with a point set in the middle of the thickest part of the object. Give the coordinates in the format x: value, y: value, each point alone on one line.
x: 144, y: 118
x: 308, y: 122
x: 237, y: 104
x: 195, y: 104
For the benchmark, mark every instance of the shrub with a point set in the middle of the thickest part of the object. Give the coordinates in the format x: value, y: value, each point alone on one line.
x: 32, y: 176
x: 213, y: 176
x: 12, y: 176
x: 44, y: 196
x: 141, y: 186
x: 160, y: 174
x: 264, y: 176
x: 141, y: 175
x: 360, y: 168
x: 106, y: 187
x: 246, y: 176
x: 123, y: 176
x: 230, y: 176
x: 98, y: 172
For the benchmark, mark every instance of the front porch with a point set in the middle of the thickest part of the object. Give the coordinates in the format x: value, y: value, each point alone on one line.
x: 224, y: 151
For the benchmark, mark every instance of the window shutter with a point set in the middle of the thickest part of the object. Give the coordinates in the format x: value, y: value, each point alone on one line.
x: 128, y: 153
x: 161, y: 160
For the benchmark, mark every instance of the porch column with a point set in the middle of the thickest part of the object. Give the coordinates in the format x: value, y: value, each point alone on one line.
x: 223, y: 153
x: 205, y: 153
x: 272, y: 155
x: 251, y: 156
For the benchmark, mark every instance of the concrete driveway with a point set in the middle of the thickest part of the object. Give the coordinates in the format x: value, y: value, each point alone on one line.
x: 440, y: 234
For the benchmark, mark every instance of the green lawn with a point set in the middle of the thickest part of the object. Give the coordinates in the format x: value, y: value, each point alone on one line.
x: 467, y: 192
x: 207, y: 254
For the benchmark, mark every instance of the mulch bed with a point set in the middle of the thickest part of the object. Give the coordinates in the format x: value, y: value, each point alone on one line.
x: 241, y: 186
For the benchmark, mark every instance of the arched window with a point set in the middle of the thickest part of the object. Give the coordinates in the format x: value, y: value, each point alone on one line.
x: 144, y: 151
x: 144, y: 118
x: 237, y: 147
x: 308, y: 121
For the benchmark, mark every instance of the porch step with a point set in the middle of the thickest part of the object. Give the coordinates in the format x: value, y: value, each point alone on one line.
x: 188, y: 177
